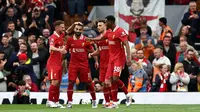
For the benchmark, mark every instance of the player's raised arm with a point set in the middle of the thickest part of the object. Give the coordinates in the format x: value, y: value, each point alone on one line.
x: 71, y: 28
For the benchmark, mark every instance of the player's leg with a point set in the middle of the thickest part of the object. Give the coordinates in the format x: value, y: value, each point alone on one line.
x: 85, y: 76
x: 106, y: 86
x: 58, y: 90
x: 52, y: 74
x: 109, y: 83
x: 117, y: 82
x: 72, y: 75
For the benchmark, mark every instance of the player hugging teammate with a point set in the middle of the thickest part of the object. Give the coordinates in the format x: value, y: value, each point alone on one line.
x: 110, y: 44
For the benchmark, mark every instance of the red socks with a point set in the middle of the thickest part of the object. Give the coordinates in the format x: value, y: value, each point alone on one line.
x: 106, y: 91
x: 56, y: 99
x: 52, y: 92
x: 70, y: 92
x: 92, y: 91
x: 114, y: 91
x: 121, y: 85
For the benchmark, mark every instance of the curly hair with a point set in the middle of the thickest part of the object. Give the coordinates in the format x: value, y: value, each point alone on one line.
x: 145, y: 2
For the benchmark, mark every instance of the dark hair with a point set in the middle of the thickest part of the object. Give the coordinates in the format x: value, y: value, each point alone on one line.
x: 110, y: 18
x: 101, y: 21
x: 145, y: 2
x: 143, y: 27
x: 22, y: 83
x: 159, y: 47
x: 170, y: 33
x: 140, y: 50
x: 24, y: 38
x: 58, y: 23
x: 23, y: 44
x: 163, y: 20
x: 183, y: 36
x: 190, y: 50
x: 166, y: 37
x: 10, y: 22
x: 5, y: 36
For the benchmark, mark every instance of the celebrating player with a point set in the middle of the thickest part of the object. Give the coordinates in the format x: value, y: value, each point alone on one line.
x: 78, y: 48
x: 103, y: 51
x: 54, y: 64
x: 117, y: 38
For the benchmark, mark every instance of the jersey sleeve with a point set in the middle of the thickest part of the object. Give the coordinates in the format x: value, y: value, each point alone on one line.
x: 68, y: 43
x: 52, y: 41
x: 123, y: 36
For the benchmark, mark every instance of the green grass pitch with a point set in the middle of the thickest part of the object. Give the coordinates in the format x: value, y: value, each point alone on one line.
x: 87, y: 108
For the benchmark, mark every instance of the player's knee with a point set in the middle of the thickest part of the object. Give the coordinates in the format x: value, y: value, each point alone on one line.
x: 71, y: 82
x: 55, y: 82
x: 115, y: 78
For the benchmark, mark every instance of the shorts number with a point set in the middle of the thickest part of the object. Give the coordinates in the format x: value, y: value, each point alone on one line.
x: 117, y: 69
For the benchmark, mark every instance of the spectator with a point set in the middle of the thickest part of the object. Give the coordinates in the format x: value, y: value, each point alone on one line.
x: 98, y: 87
x: 180, y: 55
x: 192, y: 68
x: 29, y: 84
x: 24, y: 66
x: 22, y: 95
x: 3, y: 73
x: 158, y: 60
x: 138, y: 78
x: 45, y: 84
x: 192, y: 19
x: 12, y: 41
x: 161, y: 83
x: 10, y: 16
x: 76, y: 5
x: 7, y: 48
x: 188, y: 46
x: 137, y: 24
x: 12, y: 27
x: 146, y: 64
x: 143, y: 31
x: 169, y: 48
x: 46, y: 35
x: 188, y: 32
x: 179, y: 79
x: 21, y: 40
x: 146, y: 45
x: 31, y: 38
x: 51, y: 7
x: 41, y: 44
x: 133, y: 54
x: 164, y: 26
x: 39, y: 59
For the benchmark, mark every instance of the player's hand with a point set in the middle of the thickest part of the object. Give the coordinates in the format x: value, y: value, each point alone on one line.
x: 90, y: 55
x: 128, y: 61
x: 96, y: 65
x: 88, y: 39
x: 63, y: 52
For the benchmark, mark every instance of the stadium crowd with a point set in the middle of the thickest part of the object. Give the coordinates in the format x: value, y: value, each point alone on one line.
x: 160, y: 63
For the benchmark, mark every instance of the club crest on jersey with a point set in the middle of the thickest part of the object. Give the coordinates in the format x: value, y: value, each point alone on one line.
x: 52, y: 41
x: 83, y: 43
x: 113, y: 36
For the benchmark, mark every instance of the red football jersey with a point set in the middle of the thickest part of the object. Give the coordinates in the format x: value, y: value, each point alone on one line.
x: 104, y: 52
x: 116, y: 48
x: 55, y: 58
x: 79, y: 51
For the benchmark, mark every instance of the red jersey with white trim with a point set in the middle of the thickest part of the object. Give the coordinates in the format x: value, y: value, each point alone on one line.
x: 79, y: 51
x: 55, y: 58
x: 104, y: 52
x: 116, y: 48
